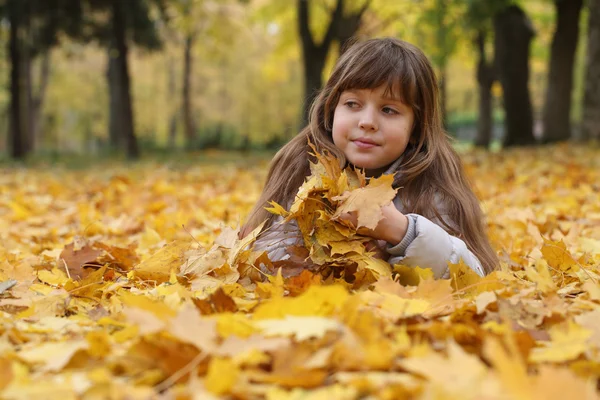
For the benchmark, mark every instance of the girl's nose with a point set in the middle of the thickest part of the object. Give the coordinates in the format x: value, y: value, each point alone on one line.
x: 367, y: 121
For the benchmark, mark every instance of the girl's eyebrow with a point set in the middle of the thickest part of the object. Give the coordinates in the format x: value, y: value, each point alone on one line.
x: 398, y: 100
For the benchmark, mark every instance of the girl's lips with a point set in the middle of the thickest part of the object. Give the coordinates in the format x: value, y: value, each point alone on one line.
x: 363, y: 145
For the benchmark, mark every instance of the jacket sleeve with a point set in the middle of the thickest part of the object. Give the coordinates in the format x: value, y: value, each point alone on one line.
x: 275, y: 239
x: 427, y: 245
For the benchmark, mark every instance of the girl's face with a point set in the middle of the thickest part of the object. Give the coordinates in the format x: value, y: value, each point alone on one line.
x: 371, y: 129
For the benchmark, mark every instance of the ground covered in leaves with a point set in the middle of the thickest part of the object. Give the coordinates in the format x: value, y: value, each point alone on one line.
x: 125, y: 282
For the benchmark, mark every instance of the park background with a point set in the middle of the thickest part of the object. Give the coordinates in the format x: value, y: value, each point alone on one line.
x: 135, y: 137
x: 235, y: 74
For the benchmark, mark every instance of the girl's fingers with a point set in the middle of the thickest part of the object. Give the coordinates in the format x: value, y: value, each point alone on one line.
x: 350, y: 217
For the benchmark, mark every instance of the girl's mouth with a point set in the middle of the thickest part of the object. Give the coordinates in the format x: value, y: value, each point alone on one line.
x: 363, y: 144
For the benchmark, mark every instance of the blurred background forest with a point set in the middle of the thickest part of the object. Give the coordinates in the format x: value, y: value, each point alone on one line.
x: 98, y: 77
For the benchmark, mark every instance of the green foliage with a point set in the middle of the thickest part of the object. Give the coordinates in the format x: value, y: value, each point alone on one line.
x: 140, y: 21
x: 46, y: 21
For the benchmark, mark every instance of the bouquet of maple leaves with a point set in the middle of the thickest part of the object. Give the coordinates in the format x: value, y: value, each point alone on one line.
x: 321, y: 208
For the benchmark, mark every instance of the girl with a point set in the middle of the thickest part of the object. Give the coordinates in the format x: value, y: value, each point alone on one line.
x: 379, y: 112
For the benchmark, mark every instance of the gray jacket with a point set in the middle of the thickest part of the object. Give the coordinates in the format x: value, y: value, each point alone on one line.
x: 426, y: 244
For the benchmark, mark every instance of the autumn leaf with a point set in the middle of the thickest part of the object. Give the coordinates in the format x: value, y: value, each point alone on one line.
x: 52, y: 355
x: 159, y: 266
x: 443, y: 374
x: 77, y: 260
x: 300, y: 328
x: 221, y: 376
x: 567, y: 343
x: 557, y: 255
x: 367, y: 201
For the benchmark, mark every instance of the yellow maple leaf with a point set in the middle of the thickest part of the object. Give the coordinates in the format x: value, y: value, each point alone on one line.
x: 558, y: 256
x: 540, y: 274
x: 221, y: 376
x: 188, y: 326
x: 398, y: 307
x: 98, y: 343
x: 553, y: 382
x: 55, y: 277
x: 412, y: 275
x: 338, y: 392
x: 52, y: 355
x: 230, y: 324
x: 273, y: 288
x: 159, y: 265
x: 158, y: 308
x: 380, y: 267
x: 367, y: 201
x: 346, y: 246
x: 445, y: 376
x: 300, y: 327
x: 511, y: 369
x: 316, y: 301
x: 277, y: 209
x: 567, y: 343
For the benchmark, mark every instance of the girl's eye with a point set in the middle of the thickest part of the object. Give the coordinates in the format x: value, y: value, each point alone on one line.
x: 351, y: 104
x: 389, y: 110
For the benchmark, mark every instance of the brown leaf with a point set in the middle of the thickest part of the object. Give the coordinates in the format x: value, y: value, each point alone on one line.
x: 77, y: 260
x: 125, y: 258
x: 222, y: 302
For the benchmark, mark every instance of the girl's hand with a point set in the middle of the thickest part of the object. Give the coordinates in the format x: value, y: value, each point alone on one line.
x: 391, y: 228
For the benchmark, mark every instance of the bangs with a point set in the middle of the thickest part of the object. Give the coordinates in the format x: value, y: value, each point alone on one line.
x: 387, y: 66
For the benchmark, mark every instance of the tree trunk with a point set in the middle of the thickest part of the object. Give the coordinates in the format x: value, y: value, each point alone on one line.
x: 557, y: 110
x: 313, y: 55
x: 189, y: 126
x: 17, y: 134
x: 119, y: 32
x: 314, y: 63
x: 590, y: 124
x: 513, y: 35
x: 115, y: 108
x: 349, y: 26
x: 485, y: 80
x: 172, y: 95
x: 37, y: 101
x: 27, y: 94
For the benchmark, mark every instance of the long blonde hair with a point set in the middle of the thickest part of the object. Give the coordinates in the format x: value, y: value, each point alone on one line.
x: 430, y: 167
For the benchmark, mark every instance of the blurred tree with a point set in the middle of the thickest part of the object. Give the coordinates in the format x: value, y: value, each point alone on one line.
x: 513, y: 34
x: 129, y: 21
x: 314, y: 55
x: 486, y: 77
x: 35, y: 26
x: 479, y: 16
x: 120, y: 79
x: 557, y: 109
x: 444, y: 18
x: 187, y: 21
x: 189, y: 127
x: 590, y: 125
x: 349, y: 26
x: 342, y: 27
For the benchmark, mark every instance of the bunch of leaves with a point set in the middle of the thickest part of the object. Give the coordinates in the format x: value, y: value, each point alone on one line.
x: 327, y: 196
x: 129, y: 306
